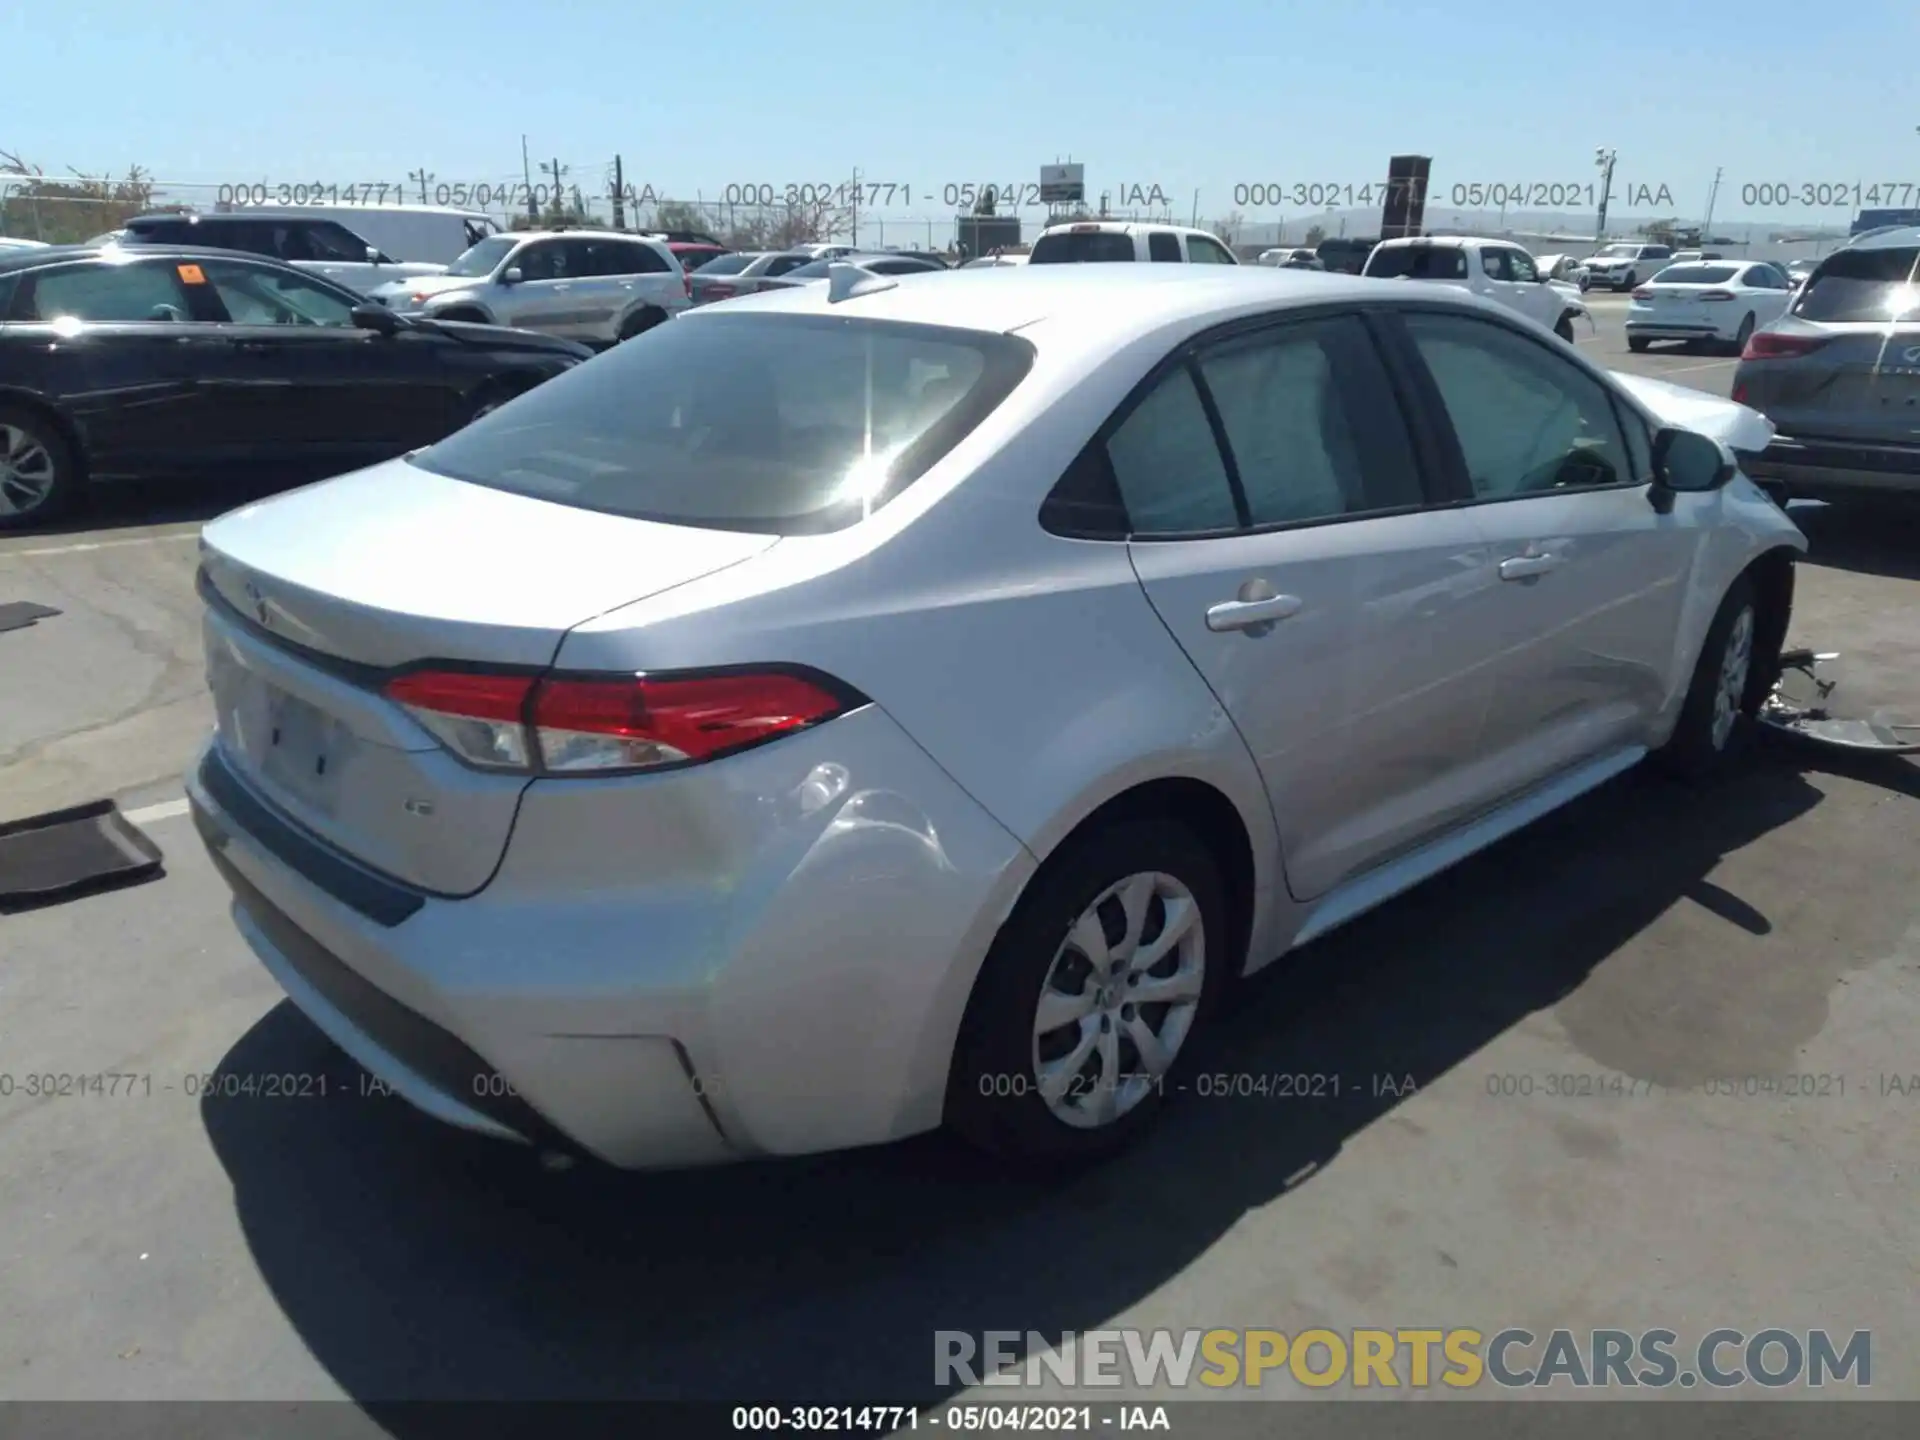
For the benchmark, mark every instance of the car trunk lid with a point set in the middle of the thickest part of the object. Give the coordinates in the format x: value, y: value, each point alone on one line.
x: 1859, y: 382
x: 316, y: 598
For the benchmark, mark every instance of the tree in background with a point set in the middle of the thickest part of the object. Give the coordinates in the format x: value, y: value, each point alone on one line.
x: 1315, y: 234
x: 756, y: 227
x: 64, y: 212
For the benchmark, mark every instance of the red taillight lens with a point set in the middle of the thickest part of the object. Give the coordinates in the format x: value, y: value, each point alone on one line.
x: 637, y: 722
x: 1763, y: 345
x: 1739, y: 394
x: 1716, y: 295
x: 582, y: 724
x: 1644, y: 292
x: 686, y: 280
x: 480, y: 717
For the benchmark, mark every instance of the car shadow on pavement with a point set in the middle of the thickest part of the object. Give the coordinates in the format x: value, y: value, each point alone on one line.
x: 419, y: 1263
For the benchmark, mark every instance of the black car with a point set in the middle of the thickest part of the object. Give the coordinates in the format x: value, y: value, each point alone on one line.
x: 174, y: 361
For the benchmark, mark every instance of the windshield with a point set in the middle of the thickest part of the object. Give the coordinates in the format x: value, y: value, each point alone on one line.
x: 1418, y: 262
x: 725, y: 265
x: 1071, y: 247
x: 776, y: 424
x: 1854, y: 287
x: 484, y: 258
x: 1696, y: 275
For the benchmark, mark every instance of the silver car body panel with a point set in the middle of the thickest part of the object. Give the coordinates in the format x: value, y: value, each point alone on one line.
x: 803, y: 922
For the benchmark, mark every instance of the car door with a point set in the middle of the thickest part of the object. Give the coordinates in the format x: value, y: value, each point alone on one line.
x: 543, y: 297
x: 1281, y: 528
x: 1499, y: 283
x: 638, y: 274
x: 109, y: 348
x: 1555, y: 472
x: 292, y: 381
x: 1534, y: 296
x: 1768, y: 294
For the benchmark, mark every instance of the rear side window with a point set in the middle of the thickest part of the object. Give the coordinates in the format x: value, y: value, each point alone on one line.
x: 1163, y: 248
x: 167, y: 232
x: 773, y: 424
x: 104, y: 293
x: 623, y: 257
x: 1418, y: 262
x: 725, y: 265
x: 1311, y: 423
x: 1079, y: 247
x: 786, y: 264
x: 1863, y: 287
x: 1171, y: 476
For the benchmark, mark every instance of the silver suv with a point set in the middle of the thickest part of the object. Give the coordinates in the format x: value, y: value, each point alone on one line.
x: 596, y: 286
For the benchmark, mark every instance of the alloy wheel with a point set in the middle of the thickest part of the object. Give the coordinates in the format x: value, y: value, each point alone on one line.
x: 27, y: 472
x: 1736, y: 661
x: 1119, y: 999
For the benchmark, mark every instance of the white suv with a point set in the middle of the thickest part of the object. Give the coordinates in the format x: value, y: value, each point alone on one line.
x: 1082, y: 241
x: 596, y: 286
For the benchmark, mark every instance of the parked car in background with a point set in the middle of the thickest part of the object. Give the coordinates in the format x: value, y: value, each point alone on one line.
x: 1799, y: 270
x: 1296, y: 257
x: 880, y: 262
x: 1839, y: 375
x: 1081, y: 242
x: 990, y: 262
x: 1565, y: 269
x: 1346, y: 254
x: 238, y: 363
x: 1495, y: 269
x: 687, y: 237
x: 693, y: 255
x: 1624, y: 264
x: 14, y: 242
x: 1711, y: 302
x: 596, y: 286
x: 764, y: 266
x: 303, y: 237
x: 722, y: 655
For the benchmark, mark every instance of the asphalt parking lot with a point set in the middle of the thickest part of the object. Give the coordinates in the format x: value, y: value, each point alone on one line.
x: 170, y: 1243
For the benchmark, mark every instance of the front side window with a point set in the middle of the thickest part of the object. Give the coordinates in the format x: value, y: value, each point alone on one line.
x: 1418, y: 262
x: 546, y: 260
x: 108, y: 294
x: 1528, y: 422
x: 335, y: 243
x: 1203, y: 251
x: 786, y: 264
x: 1167, y: 467
x: 483, y: 258
x: 254, y: 295
x: 768, y: 423
x: 1522, y: 266
x: 1494, y: 263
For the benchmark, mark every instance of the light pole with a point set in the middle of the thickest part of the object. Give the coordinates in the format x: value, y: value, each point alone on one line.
x: 1603, y: 159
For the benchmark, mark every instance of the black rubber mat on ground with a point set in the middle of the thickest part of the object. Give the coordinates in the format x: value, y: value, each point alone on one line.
x: 68, y: 853
x: 18, y: 614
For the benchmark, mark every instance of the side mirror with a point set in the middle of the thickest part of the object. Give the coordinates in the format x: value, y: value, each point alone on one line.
x: 373, y: 255
x: 512, y: 275
x: 1687, y: 462
x: 376, y: 318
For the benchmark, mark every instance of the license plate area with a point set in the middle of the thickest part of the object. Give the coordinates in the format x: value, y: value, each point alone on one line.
x: 293, y: 746
x: 1865, y: 390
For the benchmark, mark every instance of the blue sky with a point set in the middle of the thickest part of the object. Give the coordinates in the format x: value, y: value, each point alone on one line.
x: 1198, y: 95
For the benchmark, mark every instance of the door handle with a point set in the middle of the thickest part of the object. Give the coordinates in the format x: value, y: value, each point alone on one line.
x: 1245, y: 614
x: 1525, y: 567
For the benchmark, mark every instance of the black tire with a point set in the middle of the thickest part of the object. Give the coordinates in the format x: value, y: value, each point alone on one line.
x: 994, y: 1098
x: 1698, y: 751
x: 1632, y: 281
x: 1742, y: 335
x: 1637, y: 344
x: 30, y: 439
x: 640, y: 322
x: 1565, y: 328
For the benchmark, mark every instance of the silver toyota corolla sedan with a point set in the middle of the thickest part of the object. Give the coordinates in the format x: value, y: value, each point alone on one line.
x: 905, y: 701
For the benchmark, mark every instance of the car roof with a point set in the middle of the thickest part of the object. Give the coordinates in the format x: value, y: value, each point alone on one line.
x: 1105, y: 305
x: 1891, y: 238
x: 582, y: 232
x: 1125, y: 227
x: 11, y: 260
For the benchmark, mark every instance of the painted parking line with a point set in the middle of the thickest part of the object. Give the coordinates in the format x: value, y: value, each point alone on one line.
x: 153, y: 814
x: 86, y: 545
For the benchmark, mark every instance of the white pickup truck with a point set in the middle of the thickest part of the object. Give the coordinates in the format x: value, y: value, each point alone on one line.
x: 1495, y: 269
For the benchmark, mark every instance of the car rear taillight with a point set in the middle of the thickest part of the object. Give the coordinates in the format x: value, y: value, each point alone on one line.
x: 1715, y: 295
x: 1739, y: 394
x: 686, y: 280
x: 1764, y: 345
x: 593, y: 724
x: 1644, y: 292
x: 719, y: 292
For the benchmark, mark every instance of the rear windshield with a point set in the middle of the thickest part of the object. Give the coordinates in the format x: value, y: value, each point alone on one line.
x: 1081, y: 247
x: 725, y: 265
x: 1418, y: 262
x: 1696, y: 275
x: 1863, y: 286
x: 775, y: 424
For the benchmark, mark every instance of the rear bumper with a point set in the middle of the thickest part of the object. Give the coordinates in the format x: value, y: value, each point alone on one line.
x: 1648, y: 329
x: 772, y: 957
x: 1810, y: 467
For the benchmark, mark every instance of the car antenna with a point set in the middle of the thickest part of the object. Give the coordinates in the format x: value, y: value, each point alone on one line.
x: 844, y: 282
